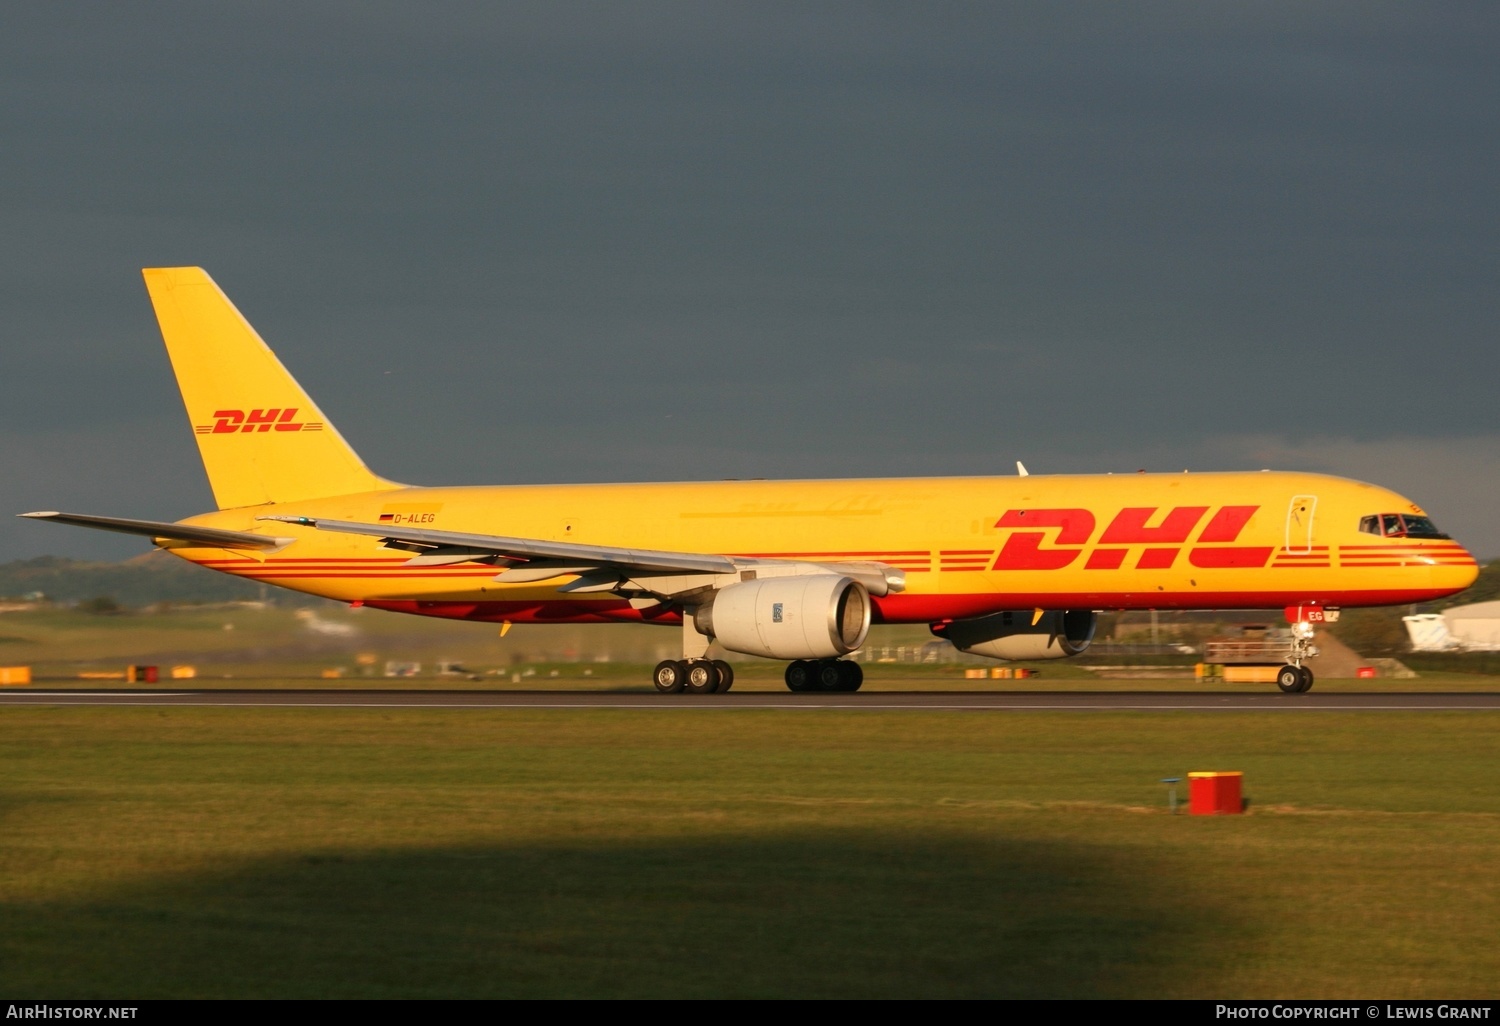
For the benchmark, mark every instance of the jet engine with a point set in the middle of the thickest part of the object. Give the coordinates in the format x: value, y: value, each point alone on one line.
x: 1012, y: 635
x: 813, y: 616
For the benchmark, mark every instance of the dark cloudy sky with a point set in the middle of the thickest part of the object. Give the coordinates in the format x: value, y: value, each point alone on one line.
x: 564, y: 242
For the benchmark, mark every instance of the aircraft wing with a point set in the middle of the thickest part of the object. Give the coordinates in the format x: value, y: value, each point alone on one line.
x: 158, y: 529
x: 600, y: 567
x: 526, y: 549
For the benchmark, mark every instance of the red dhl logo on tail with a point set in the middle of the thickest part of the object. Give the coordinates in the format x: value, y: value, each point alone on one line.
x: 233, y: 422
x: 1025, y: 550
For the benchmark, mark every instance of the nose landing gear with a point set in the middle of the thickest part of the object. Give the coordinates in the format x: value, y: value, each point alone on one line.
x: 1295, y: 678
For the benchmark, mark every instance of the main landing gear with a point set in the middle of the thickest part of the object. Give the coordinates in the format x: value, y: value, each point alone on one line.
x: 699, y: 676
x: 824, y: 675
x: 715, y: 676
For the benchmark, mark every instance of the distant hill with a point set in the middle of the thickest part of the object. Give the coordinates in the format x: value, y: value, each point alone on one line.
x: 142, y: 581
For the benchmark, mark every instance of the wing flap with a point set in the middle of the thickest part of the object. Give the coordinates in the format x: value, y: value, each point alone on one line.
x: 452, y: 557
x: 542, y: 570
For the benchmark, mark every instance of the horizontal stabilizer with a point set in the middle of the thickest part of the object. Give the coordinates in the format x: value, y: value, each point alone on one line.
x: 174, y: 532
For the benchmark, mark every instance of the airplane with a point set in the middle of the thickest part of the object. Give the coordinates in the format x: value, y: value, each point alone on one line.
x: 1012, y: 568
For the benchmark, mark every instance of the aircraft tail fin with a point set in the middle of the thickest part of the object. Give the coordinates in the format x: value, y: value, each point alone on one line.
x: 262, y: 439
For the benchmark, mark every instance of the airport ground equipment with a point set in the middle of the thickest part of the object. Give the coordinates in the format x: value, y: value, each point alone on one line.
x: 1216, y: 793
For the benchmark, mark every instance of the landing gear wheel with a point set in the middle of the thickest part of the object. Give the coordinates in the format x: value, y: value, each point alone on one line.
x: 1307, y: 679
x: 670, y: 676
x: 702, y: 677
x: 829, y: 676
x: 726, y: 675
x: 1289, y: 679
x: 851, y: 675
x: 800, y: 675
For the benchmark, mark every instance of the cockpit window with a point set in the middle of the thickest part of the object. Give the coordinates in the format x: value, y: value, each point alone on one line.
x: 1397, y: 525
x: 1421, y: 527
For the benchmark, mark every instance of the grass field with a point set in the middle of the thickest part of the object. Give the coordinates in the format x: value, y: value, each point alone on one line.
x: 209, y: 852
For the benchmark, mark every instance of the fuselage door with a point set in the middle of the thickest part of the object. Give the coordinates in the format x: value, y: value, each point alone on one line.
x: 1299, y: 523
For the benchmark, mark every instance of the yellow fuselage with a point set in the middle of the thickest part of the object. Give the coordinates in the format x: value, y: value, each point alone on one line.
x: 968, y: 546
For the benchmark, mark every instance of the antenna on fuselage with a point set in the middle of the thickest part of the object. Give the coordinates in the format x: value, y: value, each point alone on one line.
x: 1021, y: 469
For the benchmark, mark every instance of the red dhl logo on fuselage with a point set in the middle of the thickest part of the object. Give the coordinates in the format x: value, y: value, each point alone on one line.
x: 233, y: 422
x: 1025, y: 550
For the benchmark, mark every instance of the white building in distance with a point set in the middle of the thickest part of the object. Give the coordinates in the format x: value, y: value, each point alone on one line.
x: 1471, y: 628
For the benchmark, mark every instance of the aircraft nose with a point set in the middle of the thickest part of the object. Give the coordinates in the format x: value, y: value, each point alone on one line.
x: 1470, y: 572
x: 1455, y: 570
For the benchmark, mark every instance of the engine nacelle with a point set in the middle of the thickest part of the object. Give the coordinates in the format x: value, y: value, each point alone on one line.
x: 1012, y: 635
x: 813, y: 616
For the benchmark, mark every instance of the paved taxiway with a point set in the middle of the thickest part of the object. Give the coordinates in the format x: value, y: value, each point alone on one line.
x: 966, y: 701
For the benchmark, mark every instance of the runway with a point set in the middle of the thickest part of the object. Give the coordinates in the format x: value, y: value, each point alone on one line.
x: 968, y: 701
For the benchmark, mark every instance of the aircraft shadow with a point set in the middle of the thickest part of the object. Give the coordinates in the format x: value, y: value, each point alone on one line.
x: 846, y: 914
